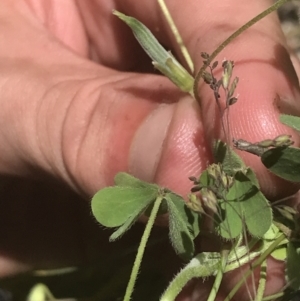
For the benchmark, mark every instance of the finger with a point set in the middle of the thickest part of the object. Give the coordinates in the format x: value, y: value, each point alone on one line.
x: 268, y: 84
x: 83, y: 122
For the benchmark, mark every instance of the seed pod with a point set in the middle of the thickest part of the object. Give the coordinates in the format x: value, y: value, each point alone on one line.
x: 224, y: 180
x: 249, y: 147
x: 283, y: 140
x: 213, y: 171
x: 194, y: 204
x: 232, y: 101
x: 266, y: 143
x: 205, y: 55
x: 207, y: 77
x: 227, y: 73
x: 210, y: 200
x: 196, y: 188
x: 214, y: 65
x: 194, y: 180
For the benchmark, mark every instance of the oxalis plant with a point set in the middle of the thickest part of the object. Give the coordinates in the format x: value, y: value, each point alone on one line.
x: 248, y: 228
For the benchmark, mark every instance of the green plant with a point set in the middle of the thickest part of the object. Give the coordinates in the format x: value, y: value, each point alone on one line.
x: 248, y: 228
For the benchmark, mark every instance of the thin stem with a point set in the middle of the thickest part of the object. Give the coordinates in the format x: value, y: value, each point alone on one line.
x: 273, y: 297
x: 219, y: 276
x: 260, y: 16
x: 177, y: 35
x: 255, y: 264
x: 141, y: 249
x: 262, y: 282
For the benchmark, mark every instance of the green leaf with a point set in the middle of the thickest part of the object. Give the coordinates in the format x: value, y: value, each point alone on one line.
x: 244, y: 204
x: 128, y: 223
x: 283, y: 162
x: 112, y: 206
x: 230, y: 160
x: 229, y: 223
x: 163, y: 60
x: 190, y: 218
x: 291, y: 121
x: 280, y: 253
x: 126, y: 180
x: 293, y: 264
x: 180, y: 236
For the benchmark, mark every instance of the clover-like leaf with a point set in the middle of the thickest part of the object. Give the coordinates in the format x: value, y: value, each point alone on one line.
x: 230, y: 160
x: 112, y: 206
x: 129, y: 222
x: 291, y: 121
x: 126, y: 180
x: 190, y: 218
x: 244, y: 204
x: 180, y: 236
x: 284, y: 162
x: 229, y: 224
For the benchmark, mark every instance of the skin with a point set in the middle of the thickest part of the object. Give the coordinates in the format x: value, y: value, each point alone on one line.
x: 80, y: 102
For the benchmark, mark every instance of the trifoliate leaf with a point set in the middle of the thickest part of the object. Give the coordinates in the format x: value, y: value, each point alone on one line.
x: 163, y: 60
x: 230, y: 160
x: 128, y: 223
x: 291, y: 121
x: 112, y: 206
x: 127, y: 180
x: 293, y: 264
x: 229, y: 223
x: 272, y: 233
x: 190, y: 218
x: 180, y: 236
x: 244, y: 204
x: 283, y: 162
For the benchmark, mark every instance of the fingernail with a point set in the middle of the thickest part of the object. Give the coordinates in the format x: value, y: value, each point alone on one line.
x: 147, y: 144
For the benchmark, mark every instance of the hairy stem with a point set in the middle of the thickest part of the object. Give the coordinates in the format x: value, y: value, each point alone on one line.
x: 141, y: 249
x: 219, y: 276
x: 195, y: 269
x: 262, y: 282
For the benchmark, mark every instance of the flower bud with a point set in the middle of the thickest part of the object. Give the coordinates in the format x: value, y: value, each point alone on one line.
x: 194, y: 204
x: 283, y: 140
x: 265, y: 143
x: 227, y: 73
x: 210, y: 200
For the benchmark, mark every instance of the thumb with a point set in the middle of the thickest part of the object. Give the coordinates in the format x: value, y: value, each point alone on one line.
x: 268, y: 85
x: 83, y: 122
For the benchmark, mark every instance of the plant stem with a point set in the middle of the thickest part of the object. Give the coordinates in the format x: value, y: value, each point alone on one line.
x: 273, y: 297
x: 257, y: 18
x: 219, y: 276
x: 195, y: 269
x: 255, y: 264
x: 177, y: 35
x: 262, y: 282
x: 141, y: 249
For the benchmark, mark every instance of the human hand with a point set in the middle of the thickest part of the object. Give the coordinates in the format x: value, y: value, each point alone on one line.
x: 74, y: 105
